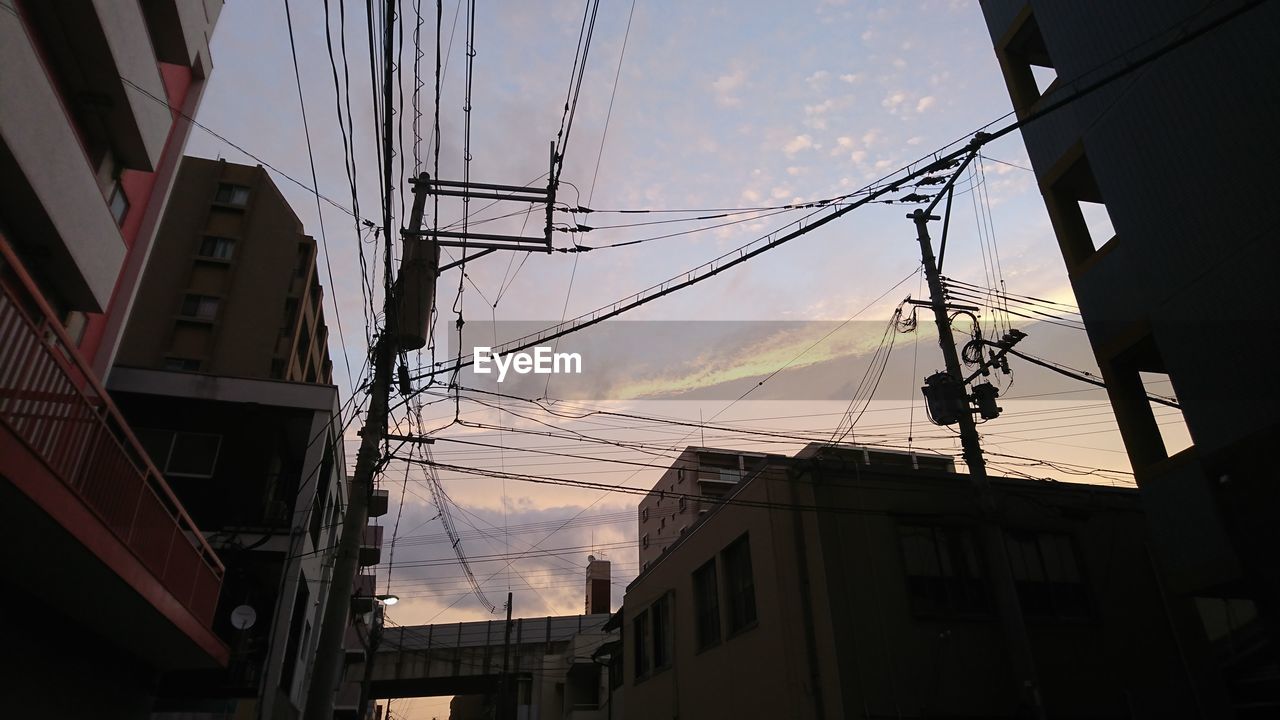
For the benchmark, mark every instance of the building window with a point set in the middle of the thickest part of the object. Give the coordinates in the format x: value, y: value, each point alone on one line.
x: 118, y: 203
x: 740, y: 588
x: 644, y: 514
x: 1030, y: 71
x: 684, y: 503
x: 640, y: 633
x: 304, y: 260
x: 644, y: 540
x: 200, y: 307
x: 661, y: 612
x: 182, y: 454
x: 944, y: 575
x: 228, y: 194
x: 706, y: 605
x: 182, y: 364
x: 219, y: 248
x: 1047, y: 575
x: 1078, y: 211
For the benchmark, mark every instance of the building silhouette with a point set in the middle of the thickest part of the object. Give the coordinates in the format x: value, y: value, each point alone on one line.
x: 1147, y: 184
x: 231, y: 288
x: 843, y: 582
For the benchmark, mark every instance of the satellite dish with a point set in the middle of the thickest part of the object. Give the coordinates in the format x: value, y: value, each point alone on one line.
x: 243, y: 617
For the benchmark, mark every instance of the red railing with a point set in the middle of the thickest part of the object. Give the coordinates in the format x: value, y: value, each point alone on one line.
x: 51, y: 401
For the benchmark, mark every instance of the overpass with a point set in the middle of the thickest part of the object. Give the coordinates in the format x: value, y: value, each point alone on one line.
x: 549, y: 661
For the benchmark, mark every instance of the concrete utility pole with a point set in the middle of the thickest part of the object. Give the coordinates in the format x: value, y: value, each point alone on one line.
x: 992, y: 536
x: 329, y: 651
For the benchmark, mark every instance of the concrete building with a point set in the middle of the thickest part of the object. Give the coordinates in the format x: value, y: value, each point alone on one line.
x: 95, y: 119
x: 261, y: 466
x: 699, y: 476
x: 1143, y: 183
x: 844, y: 583
x: 120, y: 582
x: 231, y: 288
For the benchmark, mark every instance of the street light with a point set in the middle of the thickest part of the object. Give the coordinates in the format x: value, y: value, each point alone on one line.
x: 388, y: 599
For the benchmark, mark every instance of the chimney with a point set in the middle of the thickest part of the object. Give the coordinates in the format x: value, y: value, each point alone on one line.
x: 598, y: 586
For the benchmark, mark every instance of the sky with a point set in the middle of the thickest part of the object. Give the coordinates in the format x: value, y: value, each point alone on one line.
x: 713, y: 105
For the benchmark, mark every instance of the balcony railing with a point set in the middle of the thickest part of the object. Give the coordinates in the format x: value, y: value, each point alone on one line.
x: 52, y: 403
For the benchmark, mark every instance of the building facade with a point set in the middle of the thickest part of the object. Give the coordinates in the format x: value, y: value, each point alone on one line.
x: 829, y: 585
x: 1142, y: 183
x: 232, y: 287
x: 261, y: 465
x: 91, y: 126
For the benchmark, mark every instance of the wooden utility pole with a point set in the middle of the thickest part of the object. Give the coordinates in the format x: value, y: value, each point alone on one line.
x: 327, y: 673
x: 1008, y: 606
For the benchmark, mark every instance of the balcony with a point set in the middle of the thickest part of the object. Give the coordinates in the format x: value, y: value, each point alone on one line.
x: 371, y: 546
x: 79, y: 478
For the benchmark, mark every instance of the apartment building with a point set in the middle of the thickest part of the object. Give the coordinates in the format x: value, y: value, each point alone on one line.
x: 1144, y: 182
x: 92, y: 122
x: 232, y: 287
x: 839, y: 583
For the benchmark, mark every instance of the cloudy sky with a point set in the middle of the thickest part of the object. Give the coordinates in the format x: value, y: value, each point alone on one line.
x: 716, y: 105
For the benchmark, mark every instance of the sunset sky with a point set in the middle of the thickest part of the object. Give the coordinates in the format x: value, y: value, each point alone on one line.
x: 718, y: 105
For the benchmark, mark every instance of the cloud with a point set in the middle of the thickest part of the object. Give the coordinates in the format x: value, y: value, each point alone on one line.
x: 893, y: 100
x: 725, y: 87
x: 858, y: 156
x: 817, y: 79
x: 871, y: 137
x: 798, y: 143
x: 925, y: 103
x: 851, y: 78
x: 915, y: 140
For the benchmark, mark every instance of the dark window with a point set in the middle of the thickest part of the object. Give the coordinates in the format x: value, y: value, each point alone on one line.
x: 661, y: 611
x: 293, y: 646
x: 644, y: 540
x: 200, y: 307
x: 317, y: 519
x: 303, y: 264
x: 1031, y: 71
x: 183, y: 454
x: 185, y: 364
x: 706, y: 605
x: 290, y: 313
x: 118, y: 203
x: 229, y: 194
x: 740, y: 587
x: 640, y: 632
x: 1047, y: 575
x: 193, y: 454
x: 944, y: 575
x: 217, y: 247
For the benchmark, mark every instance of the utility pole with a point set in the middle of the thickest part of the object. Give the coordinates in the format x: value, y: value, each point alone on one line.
x: 1009, y: 607
x: 329, y: 652
x: 505, y: 708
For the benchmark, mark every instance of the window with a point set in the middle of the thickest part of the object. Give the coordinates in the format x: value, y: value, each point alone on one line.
x: 740, y: 588
x: 293, y: 645
x: 1029, y: 69
x: 1047, y: 575
x: 217, y: 247
x: 183, y: 364
x: 644, y: 514
x: 644, y: 540
x: 706, y: 605
x: 228, y: 194
x: 661, y: 612
x: 944, y: 575
x: 200, y: 307
x: 181, y: 454
x: 193, y: 454
x: 304, y: 256
x: 640, y: 633
x: 684, y: 503
x: 118, y: 204
x: 1078, y: 211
